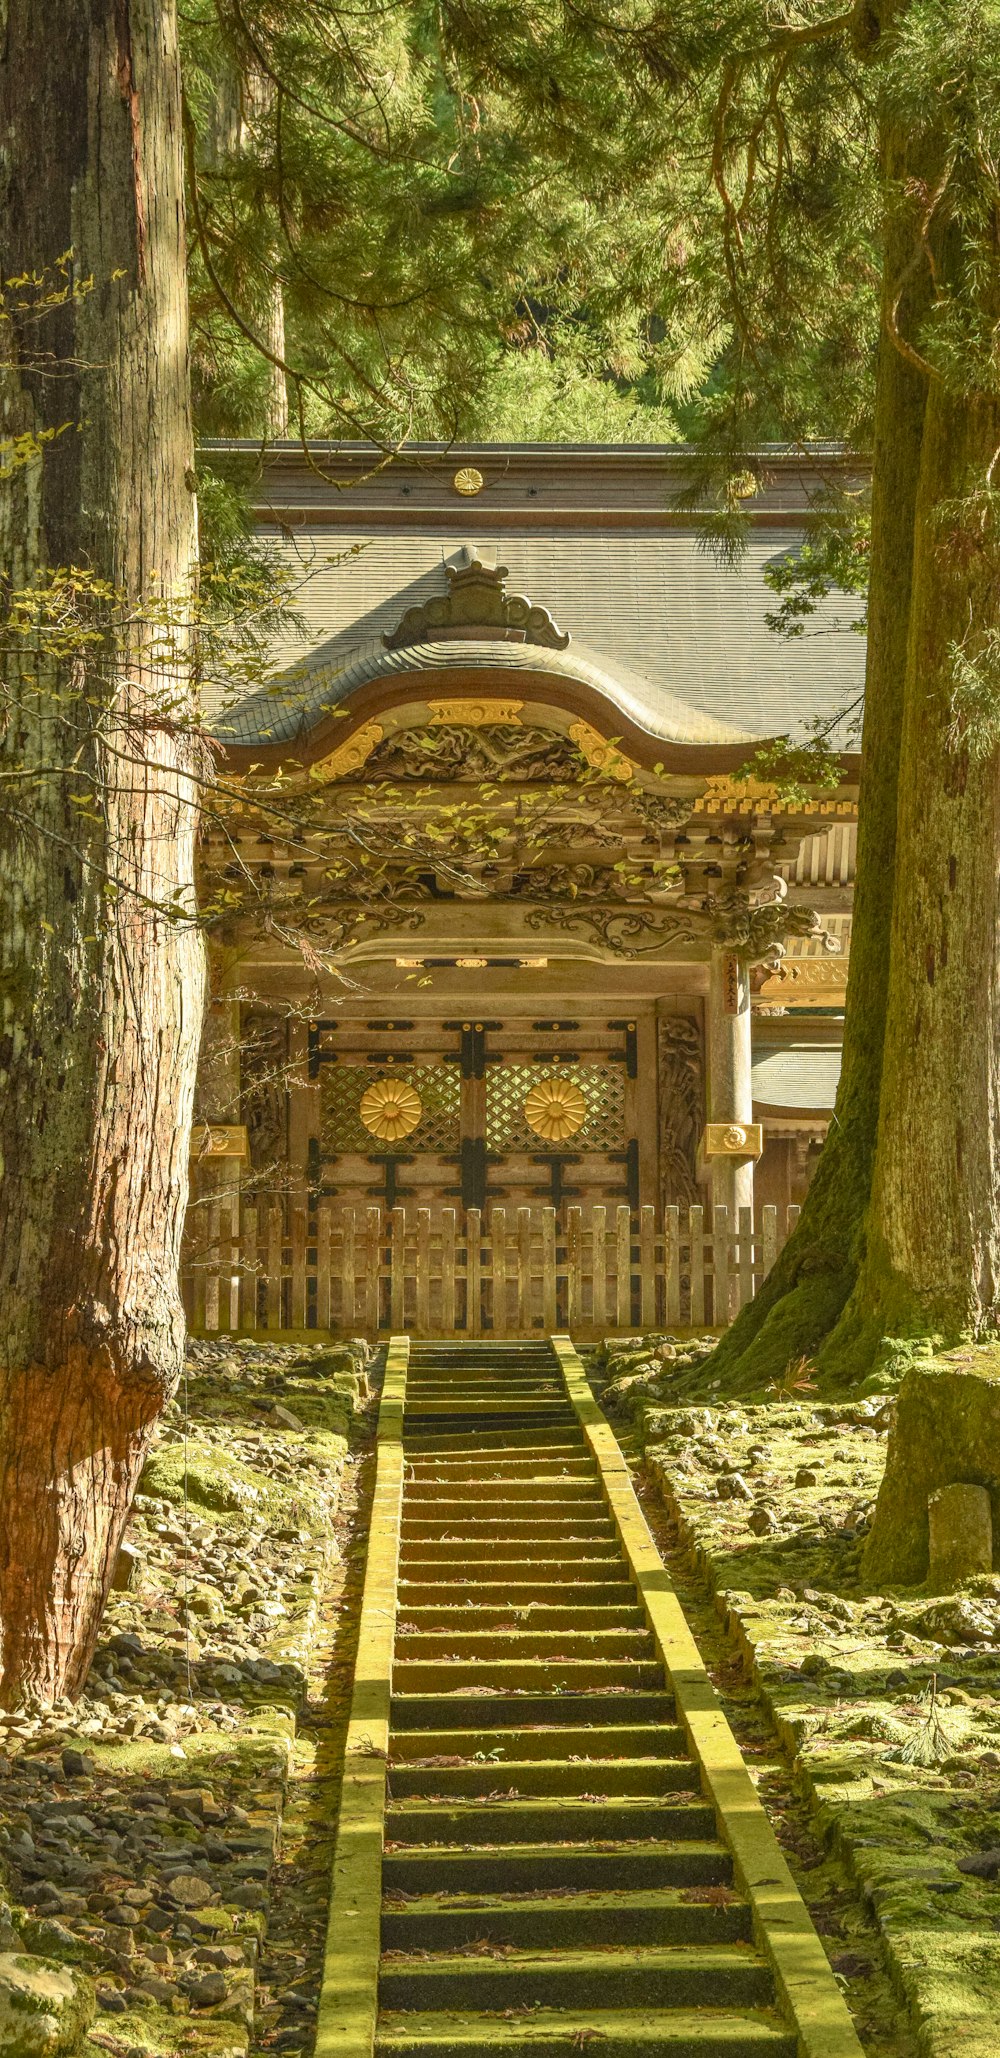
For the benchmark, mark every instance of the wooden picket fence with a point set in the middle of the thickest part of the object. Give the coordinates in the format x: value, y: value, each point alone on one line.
x: 290, y: 1266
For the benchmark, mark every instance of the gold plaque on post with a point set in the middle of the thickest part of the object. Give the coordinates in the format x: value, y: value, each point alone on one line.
x: 219, y: 1140
x: 555, y: 1109
x: 390, y: 1109
x: 733, y: 1140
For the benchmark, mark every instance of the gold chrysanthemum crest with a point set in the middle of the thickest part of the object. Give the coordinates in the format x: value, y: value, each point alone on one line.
x: 555, y: 1109
x: 390, y: 1109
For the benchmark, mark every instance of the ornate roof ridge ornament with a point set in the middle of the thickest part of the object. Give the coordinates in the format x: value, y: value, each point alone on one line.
x: 477, y: 604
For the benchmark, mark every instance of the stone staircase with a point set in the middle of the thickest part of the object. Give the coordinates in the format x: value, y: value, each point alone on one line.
x: 553, y: 1878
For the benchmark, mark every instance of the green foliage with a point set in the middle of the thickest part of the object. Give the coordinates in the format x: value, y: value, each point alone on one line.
x: 379, y: 229
x: 833, y: 558
x: 944, y: 83
x: 798, y: 771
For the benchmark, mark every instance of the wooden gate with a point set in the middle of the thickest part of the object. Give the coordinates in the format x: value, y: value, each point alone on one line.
x: 364, y: 1270
x: 427, y: 1113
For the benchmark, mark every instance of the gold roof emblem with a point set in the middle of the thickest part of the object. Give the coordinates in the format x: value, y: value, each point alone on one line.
x: 467, y: 480
x: 555, y: 1109
x: 390, y: 1109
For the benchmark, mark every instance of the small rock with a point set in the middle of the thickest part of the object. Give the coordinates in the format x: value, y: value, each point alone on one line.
x: 125, y: 1645
x: 197, y: 1800
x: 731, y: 1486
x: 44, y: 2008
x: 981, y: 1865
x: 189, y: 1891
x: 112, y: 2002
x: 77, y: 1764
x: 805, y: 1476
x: 287, y: 1419
x: 207, y: 1991
x: 762, y: 1522
x: 160, y: 1990
x: 264, y: 1672
x: 121, y: 1915
x: 127, y: 1567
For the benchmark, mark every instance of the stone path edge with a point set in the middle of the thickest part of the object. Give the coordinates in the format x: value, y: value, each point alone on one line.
x: 783, y: 1928
x: 348, y: 2003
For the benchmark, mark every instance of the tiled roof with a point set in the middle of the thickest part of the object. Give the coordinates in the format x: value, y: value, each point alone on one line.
x: 673, y: 636
x: 796, y: 1076
x: 285, y: 716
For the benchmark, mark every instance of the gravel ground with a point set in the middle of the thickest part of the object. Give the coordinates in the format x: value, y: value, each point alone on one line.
x: 140, y: 1829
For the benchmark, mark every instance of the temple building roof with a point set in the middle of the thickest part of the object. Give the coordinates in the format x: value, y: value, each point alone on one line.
x: 589, y: 542
x: 796, y: 1078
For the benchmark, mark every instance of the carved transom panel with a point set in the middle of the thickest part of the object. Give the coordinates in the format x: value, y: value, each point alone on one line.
x: 459, y: 751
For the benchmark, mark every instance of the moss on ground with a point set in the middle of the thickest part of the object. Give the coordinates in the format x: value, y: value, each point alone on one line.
x: 887, y: 1701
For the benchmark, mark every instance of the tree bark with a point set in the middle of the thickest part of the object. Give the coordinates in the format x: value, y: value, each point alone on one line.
x: 806, y: 1291
x: 101, y: 971
x: 932, y: 1262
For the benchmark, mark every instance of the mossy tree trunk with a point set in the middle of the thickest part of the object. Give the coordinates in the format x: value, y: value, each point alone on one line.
x: 932, y: 1258
x: 814, y: 1277
x: 100, y: 958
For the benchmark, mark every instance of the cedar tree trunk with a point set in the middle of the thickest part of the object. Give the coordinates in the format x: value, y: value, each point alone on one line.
x: 932, y: 1261
x: 101, y: 989
x: 807, y: 1290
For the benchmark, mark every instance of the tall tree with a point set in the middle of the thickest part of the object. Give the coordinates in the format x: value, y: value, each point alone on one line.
x: 829, y: 164
x: 900, y: 1237
x: 100, y: 958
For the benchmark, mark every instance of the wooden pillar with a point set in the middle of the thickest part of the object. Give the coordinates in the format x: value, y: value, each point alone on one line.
x: 730, y: 1088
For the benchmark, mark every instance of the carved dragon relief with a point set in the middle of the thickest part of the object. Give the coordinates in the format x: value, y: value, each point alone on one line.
x: 680, y: 1072
x: 756, y: 930
x: 460, y: 751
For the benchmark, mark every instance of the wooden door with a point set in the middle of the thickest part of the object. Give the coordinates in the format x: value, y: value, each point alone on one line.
x: 521, y: 1111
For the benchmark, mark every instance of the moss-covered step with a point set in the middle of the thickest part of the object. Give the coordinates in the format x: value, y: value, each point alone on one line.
x: 664, y: 1915
x: 563, y: 1820
x: 525, y: 1776
x: 510, y: 1711
x: 679, y: 2033
x: 672, y: 1976
x: 522, y: 1868
x: 600, y: 1740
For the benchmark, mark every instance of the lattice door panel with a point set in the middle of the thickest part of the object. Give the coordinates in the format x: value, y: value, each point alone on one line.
x: 509, y: 1088
x: 344, y: 1131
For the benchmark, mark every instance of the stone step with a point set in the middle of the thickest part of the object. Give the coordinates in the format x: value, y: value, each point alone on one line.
x: 601, y: 1742
x: 524, y: 1776
x: 482, y: 1615
x: 492, y: 1868
x: 570, y: 1821
x: 533, y: 1675
x: 673, y: 1976
x: 445, y: 1642
x: 579, y: 1712
x: 664, y: 1915
x: 677, y: 2033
